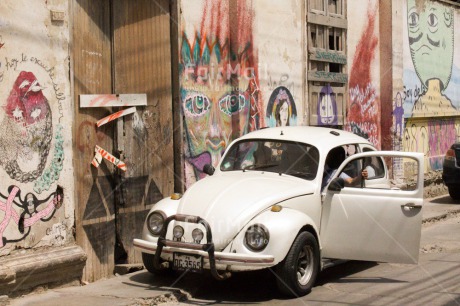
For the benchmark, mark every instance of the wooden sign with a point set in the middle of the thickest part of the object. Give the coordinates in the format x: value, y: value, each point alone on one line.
x: 113, y: 100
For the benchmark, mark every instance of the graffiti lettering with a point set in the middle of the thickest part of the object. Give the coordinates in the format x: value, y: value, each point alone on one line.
x: 330, y: 76
x: 57, y: 92
x: 11, y: 64
x: 412, y: 94
x: 330, y: 57
x: 433, y: 138
x: 283, y: 81
x: 57, y: 233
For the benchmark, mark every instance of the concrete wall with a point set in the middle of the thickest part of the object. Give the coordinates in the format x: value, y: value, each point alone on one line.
x: 238, y: 60
x: 37, y: 185
x: 279, y: 30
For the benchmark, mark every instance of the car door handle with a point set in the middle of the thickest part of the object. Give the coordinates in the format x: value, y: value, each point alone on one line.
x: 410, y: 206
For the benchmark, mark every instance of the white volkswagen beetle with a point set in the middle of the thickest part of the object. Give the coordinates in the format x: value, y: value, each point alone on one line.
x: 294, y: 199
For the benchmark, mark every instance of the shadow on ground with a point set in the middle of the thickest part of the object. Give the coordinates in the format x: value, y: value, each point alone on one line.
x: 243, y: 287
x: 444, y: 200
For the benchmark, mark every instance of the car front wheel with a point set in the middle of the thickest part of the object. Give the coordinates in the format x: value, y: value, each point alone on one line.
x: 297, y: 273
x: 148, y: 259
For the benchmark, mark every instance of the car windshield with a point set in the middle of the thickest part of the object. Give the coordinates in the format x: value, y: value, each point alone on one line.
x: 291, y: 158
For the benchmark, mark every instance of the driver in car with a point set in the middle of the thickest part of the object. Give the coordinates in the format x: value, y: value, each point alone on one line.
x: 333, y: 161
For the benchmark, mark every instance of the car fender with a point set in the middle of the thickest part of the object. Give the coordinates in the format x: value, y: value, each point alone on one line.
x: 283, y: 228
x: 167, y: 207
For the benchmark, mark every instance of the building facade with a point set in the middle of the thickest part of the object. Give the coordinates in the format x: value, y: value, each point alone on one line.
x: 191, y: 76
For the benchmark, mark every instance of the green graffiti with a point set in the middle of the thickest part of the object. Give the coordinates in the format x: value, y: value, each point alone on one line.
x: 51, y: 174
x: 431, y: 40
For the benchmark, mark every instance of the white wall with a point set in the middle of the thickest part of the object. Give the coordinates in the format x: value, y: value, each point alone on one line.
x: 279, y: 28
x: 36, y: 119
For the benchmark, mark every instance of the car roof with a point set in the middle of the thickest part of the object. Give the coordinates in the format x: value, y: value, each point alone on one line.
x: 321, y: 137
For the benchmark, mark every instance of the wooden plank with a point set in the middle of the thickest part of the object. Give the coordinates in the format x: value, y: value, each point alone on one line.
x: 91, y: 68
x: 178, y: 128
x: 329, y: 77
x: 327, y: 56
x: 143, y: 65
x: 115, y: 100
x: 327, y: 21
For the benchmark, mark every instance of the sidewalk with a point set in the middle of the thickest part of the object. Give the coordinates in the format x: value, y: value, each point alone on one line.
x: 134, y: 288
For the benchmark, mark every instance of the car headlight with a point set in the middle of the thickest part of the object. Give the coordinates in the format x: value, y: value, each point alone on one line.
x: 256, y: 237
x: 197, y: 235
x: 178, y: 232
x: 155, y: 223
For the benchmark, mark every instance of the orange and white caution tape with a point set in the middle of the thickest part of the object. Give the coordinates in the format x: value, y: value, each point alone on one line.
x: 99, y: 153
x: 116, y: 115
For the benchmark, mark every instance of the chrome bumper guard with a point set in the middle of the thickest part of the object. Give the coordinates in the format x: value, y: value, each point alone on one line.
x: 208, y: 247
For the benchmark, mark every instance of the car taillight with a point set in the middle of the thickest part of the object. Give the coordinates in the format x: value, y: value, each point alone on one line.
x: 450, y: 155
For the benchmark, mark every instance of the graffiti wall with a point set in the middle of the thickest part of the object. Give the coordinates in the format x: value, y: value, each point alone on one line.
x: 226, y: 89
x: 35, y: 148
x: 429, y: 100
x: 364, y: 109
x: 279, y: 27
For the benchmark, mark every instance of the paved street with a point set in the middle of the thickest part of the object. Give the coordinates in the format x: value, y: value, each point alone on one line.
x: 434, y: 281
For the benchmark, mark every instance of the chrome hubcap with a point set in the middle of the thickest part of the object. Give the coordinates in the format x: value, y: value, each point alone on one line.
x: 305, y: 265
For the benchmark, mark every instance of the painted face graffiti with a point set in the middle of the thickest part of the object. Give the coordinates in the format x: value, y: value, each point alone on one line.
x: 219, y: 90
x: 213, y: 115
x: 281, y: 108
x: 327, y: 107
x: 431, y: 40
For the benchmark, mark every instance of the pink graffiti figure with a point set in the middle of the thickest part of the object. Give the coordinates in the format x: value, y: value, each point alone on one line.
x: 11, y: 214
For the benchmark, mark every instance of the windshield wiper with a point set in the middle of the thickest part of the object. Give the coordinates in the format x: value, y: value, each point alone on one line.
x: 259, y: 167
x: 301, y: 174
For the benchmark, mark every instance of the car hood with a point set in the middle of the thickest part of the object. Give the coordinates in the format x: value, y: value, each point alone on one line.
x: 229, y: 201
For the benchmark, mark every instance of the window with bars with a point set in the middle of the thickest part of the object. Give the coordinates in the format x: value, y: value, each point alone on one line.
x: 326, y: 63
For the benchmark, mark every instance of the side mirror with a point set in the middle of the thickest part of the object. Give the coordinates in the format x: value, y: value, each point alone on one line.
x: 208, y: 169
x: 336, y: 184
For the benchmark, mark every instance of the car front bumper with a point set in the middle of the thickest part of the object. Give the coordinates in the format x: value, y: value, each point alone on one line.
x: 224, y: 260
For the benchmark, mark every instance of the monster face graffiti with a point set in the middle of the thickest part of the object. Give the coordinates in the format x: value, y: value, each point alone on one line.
x: 327, y: 107
x: 219, y: 90
x: 431, y: 42
x: 27, y: 130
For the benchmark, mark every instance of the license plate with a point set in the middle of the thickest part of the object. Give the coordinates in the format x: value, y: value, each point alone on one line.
x: 193, y: 263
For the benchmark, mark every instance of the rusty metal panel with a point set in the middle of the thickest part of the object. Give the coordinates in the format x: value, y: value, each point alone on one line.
x: 142, y: 64
x: 94, y: 211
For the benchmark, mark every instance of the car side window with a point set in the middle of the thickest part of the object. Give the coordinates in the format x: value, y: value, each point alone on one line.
x: 374, y: 166
x: 402, y: 176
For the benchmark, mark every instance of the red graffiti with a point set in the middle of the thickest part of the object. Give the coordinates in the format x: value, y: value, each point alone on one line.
x: 364, y: 103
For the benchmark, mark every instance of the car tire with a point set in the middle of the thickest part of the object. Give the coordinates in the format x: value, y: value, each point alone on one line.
x: 148, y: 260
x: 296, y: 274
x: 454, y: 192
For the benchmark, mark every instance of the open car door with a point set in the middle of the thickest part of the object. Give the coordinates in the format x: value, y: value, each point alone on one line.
x: 378, y: 222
